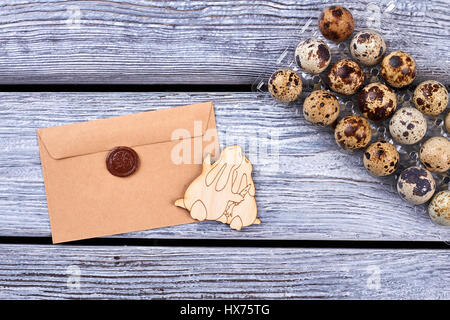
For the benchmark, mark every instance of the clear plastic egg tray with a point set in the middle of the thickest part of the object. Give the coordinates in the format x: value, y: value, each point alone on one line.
x: 409, y: 154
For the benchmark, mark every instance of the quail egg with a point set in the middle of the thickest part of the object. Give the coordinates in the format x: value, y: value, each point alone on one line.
x: 381, y: 158
x: 398, y: 68
x: 353, y: 132
x: 416, y: 185
x: 430, y: 97
x: 377, y: 101
x: 285, y: 85
x: 321, y: 107
x: 312, y: 55
x: 345, y: 77
x: 408, y: 126
x: 447, y: 122
x: 336, y: 23
x: 439, y: 208
x: 367, y: 47
x: 435, y: 154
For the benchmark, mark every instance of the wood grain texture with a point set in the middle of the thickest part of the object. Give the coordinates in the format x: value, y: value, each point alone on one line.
x: 43, y: 272
x: 137, y: 41
x: 306, y: 187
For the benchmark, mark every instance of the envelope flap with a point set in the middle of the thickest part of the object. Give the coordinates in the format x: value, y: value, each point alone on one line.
x: 131, y: 130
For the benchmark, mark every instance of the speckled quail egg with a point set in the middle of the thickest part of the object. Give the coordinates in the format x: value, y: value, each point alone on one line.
x: 336, y: 23
x: 381, y: 158
x: 416, y: 185
x: 439, y: 208
x: 353, y: 132
x: 398, y: 68
x: 377, y: 101
x: 435, y: 154
x: 345, y: 77
x: 447, y: 122
x: 312, y: 55
x: 285, y: 85
x: 367, y: 47
x: 408, y: 126
x: 430, y: 97
x: 321, y: 107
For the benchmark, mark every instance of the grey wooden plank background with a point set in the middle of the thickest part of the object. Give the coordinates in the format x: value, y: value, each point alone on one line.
x: 137, y: 41
x: 306, y: 187
x: 310, y: 190
x: 42, y: 272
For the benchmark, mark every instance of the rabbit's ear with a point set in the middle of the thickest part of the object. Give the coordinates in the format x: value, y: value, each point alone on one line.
x: 233, y: 157
x: 225, y: 179
x: 244, y: 182
x: 215, y: 173
x: 215, y: 169
x: 207, y: 163
x: 240, y: 182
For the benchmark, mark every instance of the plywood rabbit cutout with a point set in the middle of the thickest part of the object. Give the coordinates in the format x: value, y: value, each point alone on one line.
x: 224, y: 191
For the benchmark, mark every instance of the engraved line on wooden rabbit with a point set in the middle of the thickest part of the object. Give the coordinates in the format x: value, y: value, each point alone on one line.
x: 244, y: 213
x: 217, y: 193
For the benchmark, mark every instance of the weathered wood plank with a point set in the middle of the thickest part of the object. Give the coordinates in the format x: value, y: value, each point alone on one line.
x: 306, y: 187
x: 137, y: 41
x: 42, y: 272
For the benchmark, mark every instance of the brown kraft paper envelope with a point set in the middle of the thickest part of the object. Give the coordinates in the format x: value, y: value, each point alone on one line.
x: 85, y: 200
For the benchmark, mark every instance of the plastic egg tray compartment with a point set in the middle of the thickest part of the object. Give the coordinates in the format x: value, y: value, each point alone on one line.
x: 409, y: 154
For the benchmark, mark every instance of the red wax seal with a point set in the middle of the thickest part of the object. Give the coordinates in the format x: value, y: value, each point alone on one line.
x: 122, y: 161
